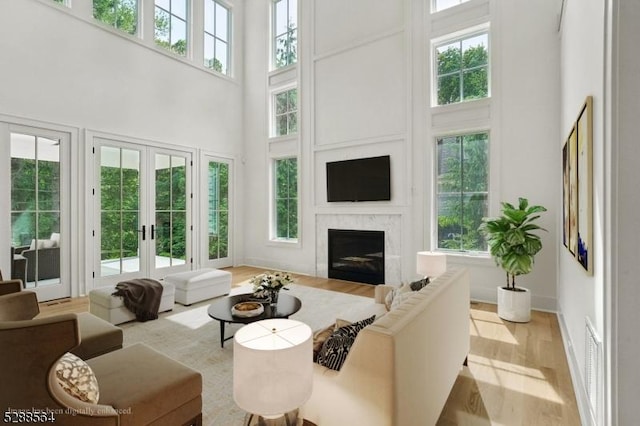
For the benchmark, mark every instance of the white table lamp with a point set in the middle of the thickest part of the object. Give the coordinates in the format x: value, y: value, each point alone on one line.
x: 431, y: 264
x: 272, y: 370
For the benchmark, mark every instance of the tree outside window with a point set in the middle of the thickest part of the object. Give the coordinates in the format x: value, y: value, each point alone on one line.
x: 171, y: 25
x: 463, y: 69
x: 286, y: 112
x: 286, y: 198
x: 120, y: 14
x: 216, y: 36
x: 285, y: 32
x: 462, y: 190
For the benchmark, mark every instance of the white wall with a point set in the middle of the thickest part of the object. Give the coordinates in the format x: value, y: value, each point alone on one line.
x: 580, y: 296
x: 621, y: 286
x: 60, y: 67
x: 364, y: 89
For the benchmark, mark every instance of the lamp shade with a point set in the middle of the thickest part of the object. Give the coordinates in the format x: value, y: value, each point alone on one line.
x: 430, y: 263
x: 272, y: 366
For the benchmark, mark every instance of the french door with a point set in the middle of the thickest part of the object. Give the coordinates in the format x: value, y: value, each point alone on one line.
x: 39, y: 206
x: 217, y: 247
x: 142, y: 205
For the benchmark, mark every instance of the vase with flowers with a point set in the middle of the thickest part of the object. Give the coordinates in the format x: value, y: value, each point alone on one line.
x: 269, y: 284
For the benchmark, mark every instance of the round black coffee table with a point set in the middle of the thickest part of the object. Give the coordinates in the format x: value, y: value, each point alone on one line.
x: 221, y: 310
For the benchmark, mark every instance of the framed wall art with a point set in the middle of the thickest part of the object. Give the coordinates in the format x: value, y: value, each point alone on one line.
x: 577, y: 188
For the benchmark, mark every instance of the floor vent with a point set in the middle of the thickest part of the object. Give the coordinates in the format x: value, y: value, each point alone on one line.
x: 592, y: 370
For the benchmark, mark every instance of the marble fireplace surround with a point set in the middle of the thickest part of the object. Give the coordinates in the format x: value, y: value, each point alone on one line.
x: 391, y: 224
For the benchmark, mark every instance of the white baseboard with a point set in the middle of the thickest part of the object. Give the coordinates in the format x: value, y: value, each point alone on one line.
x: 574, y: 369
x: 489, y: 295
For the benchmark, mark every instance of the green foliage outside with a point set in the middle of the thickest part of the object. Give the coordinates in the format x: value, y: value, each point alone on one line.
x: 121, y: 14
x: 511, y: 242
x: 35, y: 200
x: 214, y: 64
x: 286, y: 199
x: 462, y: 75
x: 218, y: 210
x: 462, y: 187
x: 163, y: 33
x: 286, y: 47
x: 171, y: 210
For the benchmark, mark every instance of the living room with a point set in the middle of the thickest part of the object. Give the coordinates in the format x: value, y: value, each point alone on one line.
x: 364, y: 77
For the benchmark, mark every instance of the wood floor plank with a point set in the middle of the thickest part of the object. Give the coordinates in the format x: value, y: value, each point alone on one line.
x: 517, y: 373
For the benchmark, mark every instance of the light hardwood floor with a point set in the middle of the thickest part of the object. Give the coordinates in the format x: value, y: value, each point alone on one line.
x: 517, y: 373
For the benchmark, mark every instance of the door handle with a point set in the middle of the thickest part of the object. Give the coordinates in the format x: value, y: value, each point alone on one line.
x: 153, y: 232
x: 144, y: 232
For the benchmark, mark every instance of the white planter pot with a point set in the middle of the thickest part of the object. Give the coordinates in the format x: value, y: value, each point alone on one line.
x: 514, y: 306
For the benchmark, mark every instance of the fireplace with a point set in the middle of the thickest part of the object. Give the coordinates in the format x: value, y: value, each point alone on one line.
x: 356, y: 255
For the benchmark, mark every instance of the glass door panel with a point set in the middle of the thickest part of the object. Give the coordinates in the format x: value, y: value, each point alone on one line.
x: 35, y: 209
x: 119, y: 211
x: 170, y: 228
x: 36, y: 172
x: 217, y: 173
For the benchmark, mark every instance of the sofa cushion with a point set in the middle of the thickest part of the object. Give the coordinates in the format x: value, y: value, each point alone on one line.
x: 77, y: 378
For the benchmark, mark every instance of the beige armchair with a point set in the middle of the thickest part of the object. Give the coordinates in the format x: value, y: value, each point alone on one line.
x: 97, y: 336
x: 138, y: 386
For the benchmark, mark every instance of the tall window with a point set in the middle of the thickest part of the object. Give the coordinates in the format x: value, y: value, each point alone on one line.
x: 120, y: 14
x: 218, y: 211
x: 286, y: 198
x: 285, y: 112
x: 439, y: 5
x: 462, y: 190
x: 35, y: 206
x: 216, y: 36
x: 462, y: 69
x: 285, y: 36
x: 171, y: 25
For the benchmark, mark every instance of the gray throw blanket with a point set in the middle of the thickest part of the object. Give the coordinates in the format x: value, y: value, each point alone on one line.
x: 141, y: 296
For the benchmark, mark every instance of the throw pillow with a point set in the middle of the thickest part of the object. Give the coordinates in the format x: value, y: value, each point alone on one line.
x: 420, y: 284
x: 388, y: 301
x: 352, y: 330
x: 397, y: 301
x: 55, y: 237
x: 77, y: 379
x: 319, y: 337
x: 334, y: 351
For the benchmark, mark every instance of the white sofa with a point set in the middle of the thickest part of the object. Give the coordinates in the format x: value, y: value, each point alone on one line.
x: 400, y: 369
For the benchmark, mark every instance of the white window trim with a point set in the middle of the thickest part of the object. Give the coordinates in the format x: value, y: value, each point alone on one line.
x: 188, y: 21
x: 229, y: 42
x: 451, y: 38
x: 272, y: 112
x: 273, y: 240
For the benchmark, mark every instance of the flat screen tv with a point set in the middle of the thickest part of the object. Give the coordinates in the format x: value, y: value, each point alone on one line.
x: 362, y: 179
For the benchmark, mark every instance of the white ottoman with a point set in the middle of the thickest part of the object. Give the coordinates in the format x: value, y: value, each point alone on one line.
x: 200, y: 284
x: 111, y: 308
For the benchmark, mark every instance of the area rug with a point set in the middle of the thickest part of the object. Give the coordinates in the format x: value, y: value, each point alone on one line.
x: 189, y: 335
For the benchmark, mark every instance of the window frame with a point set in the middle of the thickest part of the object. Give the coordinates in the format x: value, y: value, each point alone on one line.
x: 459, y: 37
x: 136, y: 33
x: 435, y: 191
x: 206, y: 33
x: 434, y: 6
x: 275, y: 36
x: 273, y: 233
x: 187, y: 22
x: 274, y: 114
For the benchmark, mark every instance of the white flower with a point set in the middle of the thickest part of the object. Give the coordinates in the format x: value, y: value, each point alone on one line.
x: 270, y: 281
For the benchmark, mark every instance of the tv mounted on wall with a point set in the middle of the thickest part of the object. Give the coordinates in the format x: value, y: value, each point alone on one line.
x: 362, y: 179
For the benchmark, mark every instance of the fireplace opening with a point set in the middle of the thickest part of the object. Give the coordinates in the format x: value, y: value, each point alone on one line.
x: 356, y: 255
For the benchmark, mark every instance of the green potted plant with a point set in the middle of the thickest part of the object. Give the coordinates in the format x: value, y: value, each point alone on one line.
x: 513, y: 246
